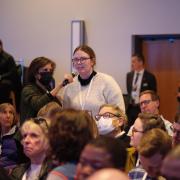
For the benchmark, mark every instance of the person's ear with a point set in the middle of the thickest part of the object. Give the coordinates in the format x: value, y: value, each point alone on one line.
x: 157, y: 103
x: 121, y: 121
x: 93, y: 62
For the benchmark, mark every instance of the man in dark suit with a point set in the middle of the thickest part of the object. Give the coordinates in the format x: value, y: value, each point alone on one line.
x: 137, y: 80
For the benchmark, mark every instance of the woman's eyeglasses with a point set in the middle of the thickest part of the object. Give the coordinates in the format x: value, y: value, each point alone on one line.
x: 106, y: 115
x: 134, y: 130
x: 81, y: 59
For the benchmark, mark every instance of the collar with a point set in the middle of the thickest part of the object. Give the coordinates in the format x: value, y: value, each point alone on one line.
x: 120, y: 134
x: 85, y: 82
x: 11, y: 131
x: 140, y: 72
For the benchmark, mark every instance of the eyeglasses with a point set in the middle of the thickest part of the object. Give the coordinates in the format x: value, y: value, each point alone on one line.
x: 106, y: 116
x: 81, y: 60
x: 40, y: 120
x: 134, y: 130
x: 145, y: 102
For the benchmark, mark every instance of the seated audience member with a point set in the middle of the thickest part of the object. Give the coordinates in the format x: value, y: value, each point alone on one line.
x: 11, y: 150
x: 154, y: 146
x: 40, y: 88
x: 69, y: 132
x: 108, y: 174
x: 176, y: 130
x: 149, y: 103
x: 35, y: 142
x: 49, y: 110
x: 9, y: 80
x: 142, y: 124
x: 111, y: 121
x: 170, y: 168
x: 102, y: 152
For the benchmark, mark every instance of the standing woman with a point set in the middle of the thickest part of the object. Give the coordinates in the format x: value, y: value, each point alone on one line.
x: 11, y: 150
x: 40, y: 88
x: 90, y: 89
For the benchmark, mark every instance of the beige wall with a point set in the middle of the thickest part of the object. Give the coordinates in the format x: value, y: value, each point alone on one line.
x: 31, y: 28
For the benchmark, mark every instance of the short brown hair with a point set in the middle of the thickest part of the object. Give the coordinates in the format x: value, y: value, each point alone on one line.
x: 70, y: 131
x: 155, y: 141
x: 49, y: 109
x: 87, y: 50
x: 153, y: 94
x: 150, y: 121
x: 140, y: 57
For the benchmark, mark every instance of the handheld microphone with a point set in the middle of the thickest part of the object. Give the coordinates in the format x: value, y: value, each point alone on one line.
x: 66, y: 80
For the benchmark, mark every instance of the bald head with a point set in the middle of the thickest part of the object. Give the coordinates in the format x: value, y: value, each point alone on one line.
x: 109, y: 174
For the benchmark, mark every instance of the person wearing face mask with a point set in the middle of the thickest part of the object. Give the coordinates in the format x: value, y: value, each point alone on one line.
x: 111, y: 121
x: 40, y: 88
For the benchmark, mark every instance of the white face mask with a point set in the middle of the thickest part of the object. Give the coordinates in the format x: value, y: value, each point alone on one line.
x: 105, y: 125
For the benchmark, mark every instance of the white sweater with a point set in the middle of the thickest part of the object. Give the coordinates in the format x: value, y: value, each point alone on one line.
x: 102, y: 89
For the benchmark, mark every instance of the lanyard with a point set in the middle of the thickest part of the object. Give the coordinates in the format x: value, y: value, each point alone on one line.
x: 80, y: 95
x: 145, y: 176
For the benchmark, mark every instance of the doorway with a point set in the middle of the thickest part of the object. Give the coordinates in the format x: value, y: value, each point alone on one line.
x: 162, y: 55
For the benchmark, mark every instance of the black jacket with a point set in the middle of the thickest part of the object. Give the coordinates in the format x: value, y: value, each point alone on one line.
x: 148, y: 82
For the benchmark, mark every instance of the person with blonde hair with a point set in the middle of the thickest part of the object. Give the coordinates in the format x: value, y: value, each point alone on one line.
x: 35, y: 142
x: 111, y: 121
x: 11, y: 150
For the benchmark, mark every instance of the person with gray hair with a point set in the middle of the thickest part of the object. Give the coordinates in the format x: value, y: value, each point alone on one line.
x: 35, y: 143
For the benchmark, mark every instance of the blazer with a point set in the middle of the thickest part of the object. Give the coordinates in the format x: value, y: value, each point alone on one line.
x: 148, y: 82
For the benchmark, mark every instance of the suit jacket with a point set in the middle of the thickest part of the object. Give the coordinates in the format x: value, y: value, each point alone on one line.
x: 148, y: 82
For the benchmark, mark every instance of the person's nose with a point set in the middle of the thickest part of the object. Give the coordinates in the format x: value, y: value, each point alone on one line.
x: 8, y: 114
x: 142, y: 106
x: 26, y: 140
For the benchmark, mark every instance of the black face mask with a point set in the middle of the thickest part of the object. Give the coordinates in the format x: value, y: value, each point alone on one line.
x: 46, y: 78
